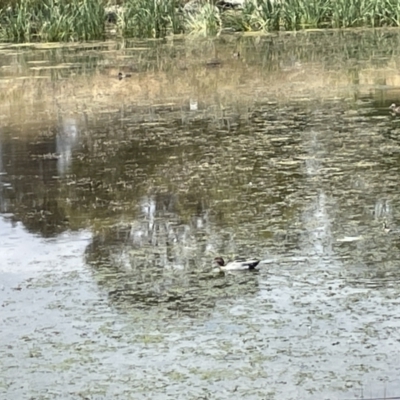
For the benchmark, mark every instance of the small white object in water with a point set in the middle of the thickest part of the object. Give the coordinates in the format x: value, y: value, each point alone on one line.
x: 193, y: 105
x: 350, y: 239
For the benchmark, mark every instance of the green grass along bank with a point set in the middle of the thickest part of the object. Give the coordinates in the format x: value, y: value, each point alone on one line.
x: 77, y: 20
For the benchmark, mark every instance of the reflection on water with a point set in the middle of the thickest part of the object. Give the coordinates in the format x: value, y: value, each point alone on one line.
x: 116, y: 195
x: 66, y: 141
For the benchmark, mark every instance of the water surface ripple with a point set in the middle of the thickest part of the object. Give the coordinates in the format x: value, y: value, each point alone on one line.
x: 116, y: 195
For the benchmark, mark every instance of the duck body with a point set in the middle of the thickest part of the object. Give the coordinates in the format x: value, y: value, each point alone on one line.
x: 123, y: 76
x: 394, y: 108
x: 236, y: 265
x: 386, y: 228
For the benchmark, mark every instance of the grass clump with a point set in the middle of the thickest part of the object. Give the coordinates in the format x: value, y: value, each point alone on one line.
x: 52, y: 20
x: 301, y: 14
x: 255, y: 16
x: 206, y: 21
x: 273, y: 15
x: 72, y: 20
x: 151, y: 19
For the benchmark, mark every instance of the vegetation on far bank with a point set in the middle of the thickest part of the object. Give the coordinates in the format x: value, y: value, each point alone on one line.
x: 75, y: 20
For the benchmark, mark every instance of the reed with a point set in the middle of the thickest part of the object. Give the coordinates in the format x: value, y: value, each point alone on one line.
x: 240, y: 20
x: 150, y: 18
x: 52, y: 20
x: 207, y: 21
x: 72, y: 20
x: 267, y: 15
x: 303, y: 14
x: 392, y: 13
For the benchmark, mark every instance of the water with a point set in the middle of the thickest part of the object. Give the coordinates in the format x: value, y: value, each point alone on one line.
x: 116, y: 195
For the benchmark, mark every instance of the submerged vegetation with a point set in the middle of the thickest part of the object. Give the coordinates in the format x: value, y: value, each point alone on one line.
x: 72, y: 20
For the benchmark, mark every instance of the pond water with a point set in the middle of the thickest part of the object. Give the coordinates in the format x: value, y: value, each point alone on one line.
x: 117, y: 194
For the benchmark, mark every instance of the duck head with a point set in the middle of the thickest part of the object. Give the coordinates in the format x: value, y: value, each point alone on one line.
x: 220, y: 261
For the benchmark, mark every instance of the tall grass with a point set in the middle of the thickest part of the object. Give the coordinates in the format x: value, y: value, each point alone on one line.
x: 150, y: 18
x: 300, y: 14
x: 266, y: 15
x: 273, y: 15
x: 17, y: 22
x: 393, y: 13
x: 66, y: 20
x: 206, y: 21
x: 52, y: 20
x: 255, y: 16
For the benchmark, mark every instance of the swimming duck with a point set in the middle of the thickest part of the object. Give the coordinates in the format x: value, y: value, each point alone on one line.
x: 394, y: 108
x: 122, y: 75
x: 236, y: 265
x: 386, y: 228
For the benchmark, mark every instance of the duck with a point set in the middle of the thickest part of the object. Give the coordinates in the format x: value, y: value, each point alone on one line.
x: 394, y: 108
x: 122, y: 75
x: 386, y: 228
x: 236, y: 265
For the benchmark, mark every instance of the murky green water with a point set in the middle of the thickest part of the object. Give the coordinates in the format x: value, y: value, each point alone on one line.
x: 116, y: 195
